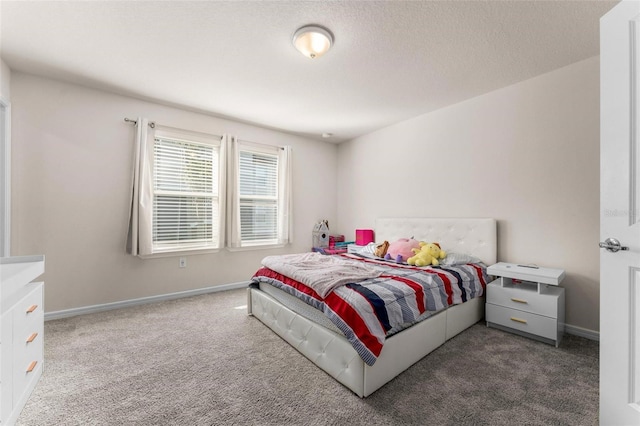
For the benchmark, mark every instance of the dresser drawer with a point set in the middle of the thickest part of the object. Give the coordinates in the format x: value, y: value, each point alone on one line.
x: 26, y: 372
x: 523, y: 300
x: 29, y: 310
x: 523, y: 321
x: 28, y: 344
x: 27, y: 341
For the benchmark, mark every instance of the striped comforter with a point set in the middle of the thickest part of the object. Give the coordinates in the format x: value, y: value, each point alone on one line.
x: 368, y: 311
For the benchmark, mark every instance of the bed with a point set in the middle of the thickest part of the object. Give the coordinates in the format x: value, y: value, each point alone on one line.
x: 330, y: 349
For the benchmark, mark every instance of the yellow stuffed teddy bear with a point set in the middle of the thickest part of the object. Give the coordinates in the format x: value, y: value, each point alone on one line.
x: 427, y: 254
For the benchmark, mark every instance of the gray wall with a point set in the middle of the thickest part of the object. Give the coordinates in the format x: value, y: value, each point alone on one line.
x: 527, y: 155
x: 72, y: 155
x: 5, y: 81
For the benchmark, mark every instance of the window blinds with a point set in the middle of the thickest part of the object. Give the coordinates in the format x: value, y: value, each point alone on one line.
x: 258, y: 191
x: 186, y: 209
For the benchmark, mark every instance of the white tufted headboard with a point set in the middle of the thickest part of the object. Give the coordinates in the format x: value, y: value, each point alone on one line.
x: 475, y: 236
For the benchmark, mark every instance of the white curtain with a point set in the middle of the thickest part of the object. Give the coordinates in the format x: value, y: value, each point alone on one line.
x: 234, y: 239
x: 139, y: 241
x: 285, y: 220
x: 222, y: 195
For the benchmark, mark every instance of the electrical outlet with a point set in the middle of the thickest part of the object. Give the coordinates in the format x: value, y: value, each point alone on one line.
x: 183, y: 262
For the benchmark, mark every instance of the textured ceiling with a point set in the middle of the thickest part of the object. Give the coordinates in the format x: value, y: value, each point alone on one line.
x: 392, y: 60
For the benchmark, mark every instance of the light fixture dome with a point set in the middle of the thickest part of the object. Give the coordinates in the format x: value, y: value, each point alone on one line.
x: 313, y: 41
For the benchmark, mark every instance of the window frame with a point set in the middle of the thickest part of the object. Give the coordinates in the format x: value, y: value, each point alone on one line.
x: 195, y: 138
x: 234, y: 235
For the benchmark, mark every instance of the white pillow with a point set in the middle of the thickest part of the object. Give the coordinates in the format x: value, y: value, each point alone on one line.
x: 368, y: 250
x: 458, y: 259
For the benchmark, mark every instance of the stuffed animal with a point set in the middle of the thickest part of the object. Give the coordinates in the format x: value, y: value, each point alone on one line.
x: 401, y: 249
x: 381, y: 249
x: 427, y: 254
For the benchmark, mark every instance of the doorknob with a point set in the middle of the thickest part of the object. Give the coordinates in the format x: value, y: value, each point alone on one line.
x: 612, y: 245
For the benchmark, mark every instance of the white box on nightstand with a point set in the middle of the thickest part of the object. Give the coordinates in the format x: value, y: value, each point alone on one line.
x: 354, y: 248
x: 526, y: 300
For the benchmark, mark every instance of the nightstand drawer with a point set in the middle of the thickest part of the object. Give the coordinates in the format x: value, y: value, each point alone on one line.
x: 523, y: 321
x: 524, y: 300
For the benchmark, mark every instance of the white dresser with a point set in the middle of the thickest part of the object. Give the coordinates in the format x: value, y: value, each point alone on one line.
x: 526, y: 300
x: 21, y: 332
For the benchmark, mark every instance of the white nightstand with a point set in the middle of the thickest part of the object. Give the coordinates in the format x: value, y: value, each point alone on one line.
x: 526, y: 300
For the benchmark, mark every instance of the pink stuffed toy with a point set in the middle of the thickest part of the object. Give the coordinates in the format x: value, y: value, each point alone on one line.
x: 402, y: 249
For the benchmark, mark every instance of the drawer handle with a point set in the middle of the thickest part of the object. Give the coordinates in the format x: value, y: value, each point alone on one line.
x: 518, y: 300
x: 32, y: 308
x: 32, y: 366
x: 32, y: 337
x: 518, y: 320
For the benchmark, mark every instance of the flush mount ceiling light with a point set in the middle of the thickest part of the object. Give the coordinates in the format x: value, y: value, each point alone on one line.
x: 313, y: 41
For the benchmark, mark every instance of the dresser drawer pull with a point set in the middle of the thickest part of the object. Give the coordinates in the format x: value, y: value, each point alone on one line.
x: 32, y: 308
x: 32, y: 337
x: 518, y: 300
x: 32, y: 366
x: 518, y: 320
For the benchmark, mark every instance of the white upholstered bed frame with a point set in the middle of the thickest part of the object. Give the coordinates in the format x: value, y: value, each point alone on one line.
x: 334, y: 354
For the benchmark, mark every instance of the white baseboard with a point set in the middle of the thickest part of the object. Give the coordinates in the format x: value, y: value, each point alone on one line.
x: 582, y: 332
x: 66, y: 313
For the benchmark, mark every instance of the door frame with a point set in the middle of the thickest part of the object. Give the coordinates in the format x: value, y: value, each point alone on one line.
x: 5, y: 177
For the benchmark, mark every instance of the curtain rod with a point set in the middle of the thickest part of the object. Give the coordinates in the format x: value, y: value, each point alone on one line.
x: 152, y: 124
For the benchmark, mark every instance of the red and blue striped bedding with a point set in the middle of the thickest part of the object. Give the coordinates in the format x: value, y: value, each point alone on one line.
x: 367, y: 311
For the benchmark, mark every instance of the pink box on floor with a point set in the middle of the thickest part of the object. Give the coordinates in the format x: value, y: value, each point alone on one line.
x: 364, y: 236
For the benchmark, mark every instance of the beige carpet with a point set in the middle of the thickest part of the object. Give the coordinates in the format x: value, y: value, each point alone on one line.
x: 203, y: 361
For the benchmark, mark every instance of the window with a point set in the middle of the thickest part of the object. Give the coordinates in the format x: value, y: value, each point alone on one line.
x: 188, y: 188
x: 186, y: 192
x: 260, y: 199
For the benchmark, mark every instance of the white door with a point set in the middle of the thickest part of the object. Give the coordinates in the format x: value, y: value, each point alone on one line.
x: 620, y: 215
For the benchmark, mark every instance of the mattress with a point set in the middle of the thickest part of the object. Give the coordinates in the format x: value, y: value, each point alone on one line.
x: 313, y: 314
x: 298, y: 306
